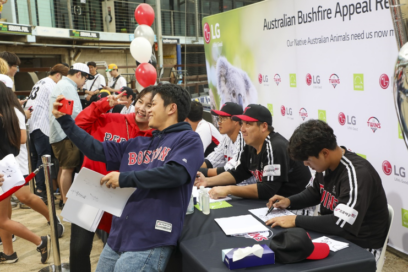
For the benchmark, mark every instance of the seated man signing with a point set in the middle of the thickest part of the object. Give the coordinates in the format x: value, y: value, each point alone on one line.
x: 352, y: 200
x: 162, y: 168
x: 226, y: 155
x: 265, y: 156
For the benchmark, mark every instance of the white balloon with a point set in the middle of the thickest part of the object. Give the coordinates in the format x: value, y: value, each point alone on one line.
x: 141, y: 49
x: 139, y: 87
x: 146, y: 32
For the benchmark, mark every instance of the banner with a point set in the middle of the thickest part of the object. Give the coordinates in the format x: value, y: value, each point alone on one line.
x: 328, y: 60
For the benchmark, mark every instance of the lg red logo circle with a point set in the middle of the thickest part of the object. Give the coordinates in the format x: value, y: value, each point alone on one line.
x: 342, y: 119
x: 283, y: 110
x: 260, y: 78
x: 384, y: 81
x: 387, y: 168
x: 207, y: 32
x: 308, y: 79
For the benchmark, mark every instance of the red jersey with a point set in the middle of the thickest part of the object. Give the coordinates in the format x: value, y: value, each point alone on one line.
x: 107, y: 127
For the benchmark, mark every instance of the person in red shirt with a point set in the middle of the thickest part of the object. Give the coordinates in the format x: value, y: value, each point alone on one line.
x: 106, y: 127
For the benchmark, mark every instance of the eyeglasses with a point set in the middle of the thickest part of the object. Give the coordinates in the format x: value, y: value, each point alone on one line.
x: 221, y: 119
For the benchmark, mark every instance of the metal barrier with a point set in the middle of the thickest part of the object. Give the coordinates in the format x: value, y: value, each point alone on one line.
x: 57, y: 266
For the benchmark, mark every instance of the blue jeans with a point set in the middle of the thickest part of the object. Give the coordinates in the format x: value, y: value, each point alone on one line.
x: 42, y: 146
x: 155, y: 259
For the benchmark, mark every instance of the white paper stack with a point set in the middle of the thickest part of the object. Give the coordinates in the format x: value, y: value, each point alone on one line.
x: 85, y: 216
x: 88, y: 190
x: 333, y: 244
x: 240, y: 224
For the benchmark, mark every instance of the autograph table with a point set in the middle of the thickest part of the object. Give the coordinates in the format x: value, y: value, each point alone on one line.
x: 202, y: 240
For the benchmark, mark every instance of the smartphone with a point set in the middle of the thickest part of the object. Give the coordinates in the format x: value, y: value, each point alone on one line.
x: 67, y: 106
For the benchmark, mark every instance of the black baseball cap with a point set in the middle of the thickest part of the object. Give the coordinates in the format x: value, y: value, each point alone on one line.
x: 228, y: 109
x: 255, y: 113
x: 294, y: 245
x: 128, y: 91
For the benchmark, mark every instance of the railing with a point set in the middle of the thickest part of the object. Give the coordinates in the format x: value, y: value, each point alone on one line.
x: 106, y: 16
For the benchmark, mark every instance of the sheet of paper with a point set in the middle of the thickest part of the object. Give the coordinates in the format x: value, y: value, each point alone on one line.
x: 85, y: 216
x: 260, y: 213
x: 87, y: 189
x: 333, y: 244
x: 196, y: 192
x: 240, y: 224
x: 12, y: 175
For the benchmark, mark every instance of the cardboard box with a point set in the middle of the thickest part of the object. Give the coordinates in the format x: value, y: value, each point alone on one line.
x: 268, y: 257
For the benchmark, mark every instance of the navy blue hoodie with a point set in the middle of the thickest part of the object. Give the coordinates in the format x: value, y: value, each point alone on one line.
x: 162, y: 168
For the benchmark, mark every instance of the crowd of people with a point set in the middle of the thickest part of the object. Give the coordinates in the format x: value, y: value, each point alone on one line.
x: 158, y: 142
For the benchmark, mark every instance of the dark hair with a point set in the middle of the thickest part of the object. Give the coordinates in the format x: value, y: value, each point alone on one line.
x: 310, y: 138
x: 171, y: 93
x: 270, y: 128
x: 65, y: 64
x: 91, y: 63
x: 11, y: 58
x: 144, y: 92
x: 59, y: 68
x: 8, y: 101
x: 196, y: 111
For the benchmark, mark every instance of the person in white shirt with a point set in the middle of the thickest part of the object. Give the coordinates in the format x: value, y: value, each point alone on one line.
x: 92, y: 87
x: 39, y: 123
x: 227, y: 154
x: 129, y: 97
x: 116, y: 81
x: 209, y: 134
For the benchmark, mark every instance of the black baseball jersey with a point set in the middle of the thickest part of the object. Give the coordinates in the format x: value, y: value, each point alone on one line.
x: 272, y: 168
x: 351, y: 197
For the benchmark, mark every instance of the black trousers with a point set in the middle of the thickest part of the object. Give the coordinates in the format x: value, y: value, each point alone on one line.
x: 80, y: 249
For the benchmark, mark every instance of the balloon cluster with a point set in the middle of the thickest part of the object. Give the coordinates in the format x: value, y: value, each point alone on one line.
x: 141, y: 47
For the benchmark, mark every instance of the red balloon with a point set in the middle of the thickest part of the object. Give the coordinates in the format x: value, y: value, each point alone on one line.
x: 144, y: 14
x: 146, y: 74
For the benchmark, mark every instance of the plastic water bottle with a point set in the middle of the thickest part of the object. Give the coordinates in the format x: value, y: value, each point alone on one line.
x: 200, y: 197
x: 206, y: 203
x: 190, y: 208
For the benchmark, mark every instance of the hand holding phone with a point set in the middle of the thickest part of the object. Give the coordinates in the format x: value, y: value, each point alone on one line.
x: 67, y: 106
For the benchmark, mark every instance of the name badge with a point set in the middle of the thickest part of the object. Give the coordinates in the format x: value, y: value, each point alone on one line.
x: 272, y: 170
x: 346, y: 213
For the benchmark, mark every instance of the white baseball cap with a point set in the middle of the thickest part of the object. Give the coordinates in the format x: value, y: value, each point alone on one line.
x: 6, y: 80
x: 82, y: 67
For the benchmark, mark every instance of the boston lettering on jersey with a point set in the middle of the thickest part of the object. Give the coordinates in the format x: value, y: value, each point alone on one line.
x: 328, y: 200
x: 148, y: 156
x: 113, y: 138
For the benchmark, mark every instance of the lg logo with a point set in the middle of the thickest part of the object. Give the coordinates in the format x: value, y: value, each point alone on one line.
x: 286, y: 111
x: 210, y: 29
x: 312, y: 79
x: 343, y: 119
x: 384, y: 81
x: 262, y: 78
x: 387, y: 169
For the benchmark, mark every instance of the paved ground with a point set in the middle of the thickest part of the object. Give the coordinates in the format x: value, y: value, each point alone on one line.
x: 29, y: 258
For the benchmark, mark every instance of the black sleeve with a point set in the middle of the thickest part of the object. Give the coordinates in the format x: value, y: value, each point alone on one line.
x: 204, y: 171
x: 308, y: 197
x: 91, y: 148
x: 241, y: 172
x: 266, y: 190
x: 208, y: 163
x: 322, y: 224
x: 220, y: 170
x: 170, y: 175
